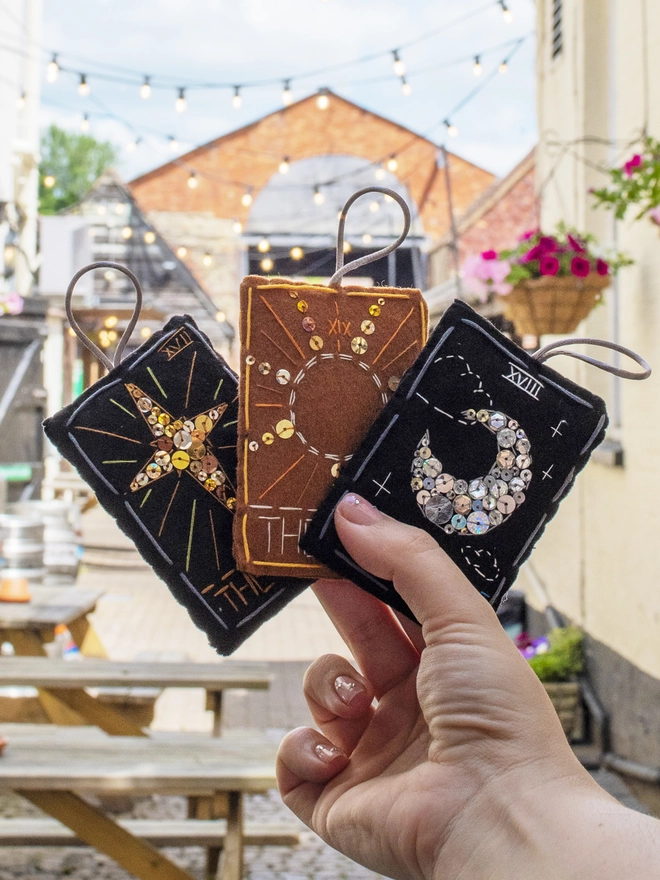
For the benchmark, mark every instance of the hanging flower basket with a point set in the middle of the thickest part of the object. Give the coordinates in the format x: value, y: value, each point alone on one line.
x: 552, y: 304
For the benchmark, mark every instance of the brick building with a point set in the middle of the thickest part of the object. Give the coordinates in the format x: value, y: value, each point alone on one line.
x: 266, y: 197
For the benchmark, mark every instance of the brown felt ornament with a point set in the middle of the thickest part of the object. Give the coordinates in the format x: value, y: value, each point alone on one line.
x: 318, y: 364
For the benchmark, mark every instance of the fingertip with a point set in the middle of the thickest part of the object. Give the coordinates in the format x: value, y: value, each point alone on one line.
x: 306, y: 756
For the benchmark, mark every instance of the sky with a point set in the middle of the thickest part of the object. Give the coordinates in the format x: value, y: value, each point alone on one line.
x: 241, y: 41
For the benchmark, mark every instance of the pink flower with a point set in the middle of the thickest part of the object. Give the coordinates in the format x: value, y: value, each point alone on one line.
x: 655, y: 215
x: 489, y: 255
x: 575, y: 244
x: 547, y: 244
x: 12, y: 303
x: 580, y: 267
x: 602, y: 267
x: 482, y: 276
x: 549, y: 265
x: 632, y: 164
x: 534, y: 254
x: 527, y: 235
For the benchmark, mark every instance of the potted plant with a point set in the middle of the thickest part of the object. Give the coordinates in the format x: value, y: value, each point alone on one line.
x: 547, y: 283
x: 558, y: 659
x: 636, y: 182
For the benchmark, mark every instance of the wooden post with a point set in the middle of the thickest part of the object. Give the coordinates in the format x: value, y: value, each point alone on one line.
x: 231, y: 863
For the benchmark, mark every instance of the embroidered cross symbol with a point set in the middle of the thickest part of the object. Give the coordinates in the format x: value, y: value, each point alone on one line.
x: 182, y: 445
x: 381, y: 486
x: 556, y: 431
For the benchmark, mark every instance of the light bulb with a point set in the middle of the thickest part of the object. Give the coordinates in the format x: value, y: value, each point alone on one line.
x: 127, y: 232
x: 452, y: 131
x: 83, y: 86
x: 49, y: 181
x: 503, y: 67
x: 296, y: 253
x: 264, y: 246
x: 477, y: 69
x: 507, y: 15
x: 181, y: 104
x: 145, y: 332
x: 101, y: 210
x: 399, y: 66
x: 392, y: 163
x: 406, y: 88
x: 287, y: 94
x: 238, y: 227
x: 284, y: 165
x: 132, y: 146
x: 174, y: 144
x: 266, y: 264
x: 374, y: 207
x: 149, y: 236
x: 246, y: 199
x: 207, y: 260
x: 236, y: 101
x: 84, y: 125
x: 193, y: 182
x: 120, y: 207
x: 220, y: 317
x: 181, y: 252
x: 20, y: 101
x: 323, y: 101
x: 347, y: 247
x: 145, y: 89
x: 52, y: 70
x: 366, y: 238
x: 112, y: 335
x: 380, y: 174
x: 108, y: 275
x: 319, y: 197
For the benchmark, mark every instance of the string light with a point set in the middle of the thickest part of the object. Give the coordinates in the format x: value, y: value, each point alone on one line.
x: 287, y: 94
x: 477, y: 69
x: 266, y: 264
x: 49, y: 181
x: 246, y: 199
x: 322, y: 100
x: 207, y: 260
x: 193, y: 181
x: 111, y: 321
x: 84, y: 125
x: 264, y: 246
x: 220, y: 317
x: 399, y: 66
x: 149, y: 236
x: 53, y: 69
x: 108, y: 275
x: 392, y: 163
x: 83, y: 86
x: 366, y: 238
x: 174, y: 144
x: 132, y: 146
x: 347, y: 247
x: 127, y: 233
x: 145, y: 89
x: 380, y: 173
x: 296, y: 253
x: 452, y: 130
x: 237, y: 227
x: 236, y: 101
x: 181, y: 104
x: 145, y: 332
x: 507, y: 15
x: 284, y: 165
x: 374, y: 207
x: 101, y: 210
x: 503, y: 67
x: 319, y: 197
x: 20, y: 101
x: 406, y: 88
x: 181, y: 252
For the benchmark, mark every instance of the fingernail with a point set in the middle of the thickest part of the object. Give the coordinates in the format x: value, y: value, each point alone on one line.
x: 357, y: 510
x: 327, y: 754
x: 347, y: 688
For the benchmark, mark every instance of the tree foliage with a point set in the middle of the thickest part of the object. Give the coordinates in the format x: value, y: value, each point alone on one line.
x: 75, y: 161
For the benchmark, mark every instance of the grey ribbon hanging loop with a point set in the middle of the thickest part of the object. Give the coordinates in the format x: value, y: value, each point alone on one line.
x: 555, y: 348
x: 340, y: 269
x: 126, y: 335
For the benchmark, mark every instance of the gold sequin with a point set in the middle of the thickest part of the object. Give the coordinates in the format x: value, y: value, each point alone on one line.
x: 359, y: 345
x: 381, y: 302
x: 374, y: 311
x: 264, y: 368
x: 302, y: 306
x: 180, y: 460
x: 231, y: 503
x: 203, y: 423
x: 164, y: 419
x: 367, y: 327
x: 316, y: 343
x: 267, y: 438
x: 285, y: 429
x: 197, y: 451
x: 210, y: 484
x: 250, y: 359
x: 334, y: 470
x: 178, y: 424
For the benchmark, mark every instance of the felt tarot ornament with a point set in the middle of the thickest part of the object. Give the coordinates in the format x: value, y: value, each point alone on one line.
x: 478, y: 447
x: 318, y: 363
x: 156, y: 440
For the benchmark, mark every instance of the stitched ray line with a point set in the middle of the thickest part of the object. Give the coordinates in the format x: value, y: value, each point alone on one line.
x: 162, y: 525
x: 148, y: 493
x: 281, y: 477
x: 283, y: 326
x: 217, y: 390
x: 190, y: 534
x: 121, y: 461
x: 108, y: 434
x: 215, y: 543
x: 393, y: 336
x: 127, y: 411
x: 279, y: 348
x: 401, y: 354
x: 192, y: 367
x: 157, y: 383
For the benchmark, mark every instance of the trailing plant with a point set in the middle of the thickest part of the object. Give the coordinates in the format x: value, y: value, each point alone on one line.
x: 559, y: 656
x: 637, y: 182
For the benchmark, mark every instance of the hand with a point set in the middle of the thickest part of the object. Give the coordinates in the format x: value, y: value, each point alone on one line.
x: 460, y: 769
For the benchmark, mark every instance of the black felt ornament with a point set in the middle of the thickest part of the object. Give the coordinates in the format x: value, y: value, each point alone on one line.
x: 478, y: 447
x: 156, y: 440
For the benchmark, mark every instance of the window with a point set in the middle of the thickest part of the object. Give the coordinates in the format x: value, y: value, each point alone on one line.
x: 557, y: 28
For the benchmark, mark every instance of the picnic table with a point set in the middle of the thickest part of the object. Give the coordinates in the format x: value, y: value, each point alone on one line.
x: 52, y: 767
x: 64, y: 684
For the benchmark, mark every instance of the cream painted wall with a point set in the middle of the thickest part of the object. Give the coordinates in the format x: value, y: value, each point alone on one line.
x: 600, y: 558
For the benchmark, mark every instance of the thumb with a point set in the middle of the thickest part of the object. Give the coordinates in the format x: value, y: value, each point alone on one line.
x: 436, y: 591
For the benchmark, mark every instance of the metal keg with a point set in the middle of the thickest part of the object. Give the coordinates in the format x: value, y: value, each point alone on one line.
x: 62, y: 543
x: 22, y: 547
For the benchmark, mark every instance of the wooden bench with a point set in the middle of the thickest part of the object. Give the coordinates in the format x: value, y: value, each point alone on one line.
x: 63, y: 685
x: 53, y: 766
